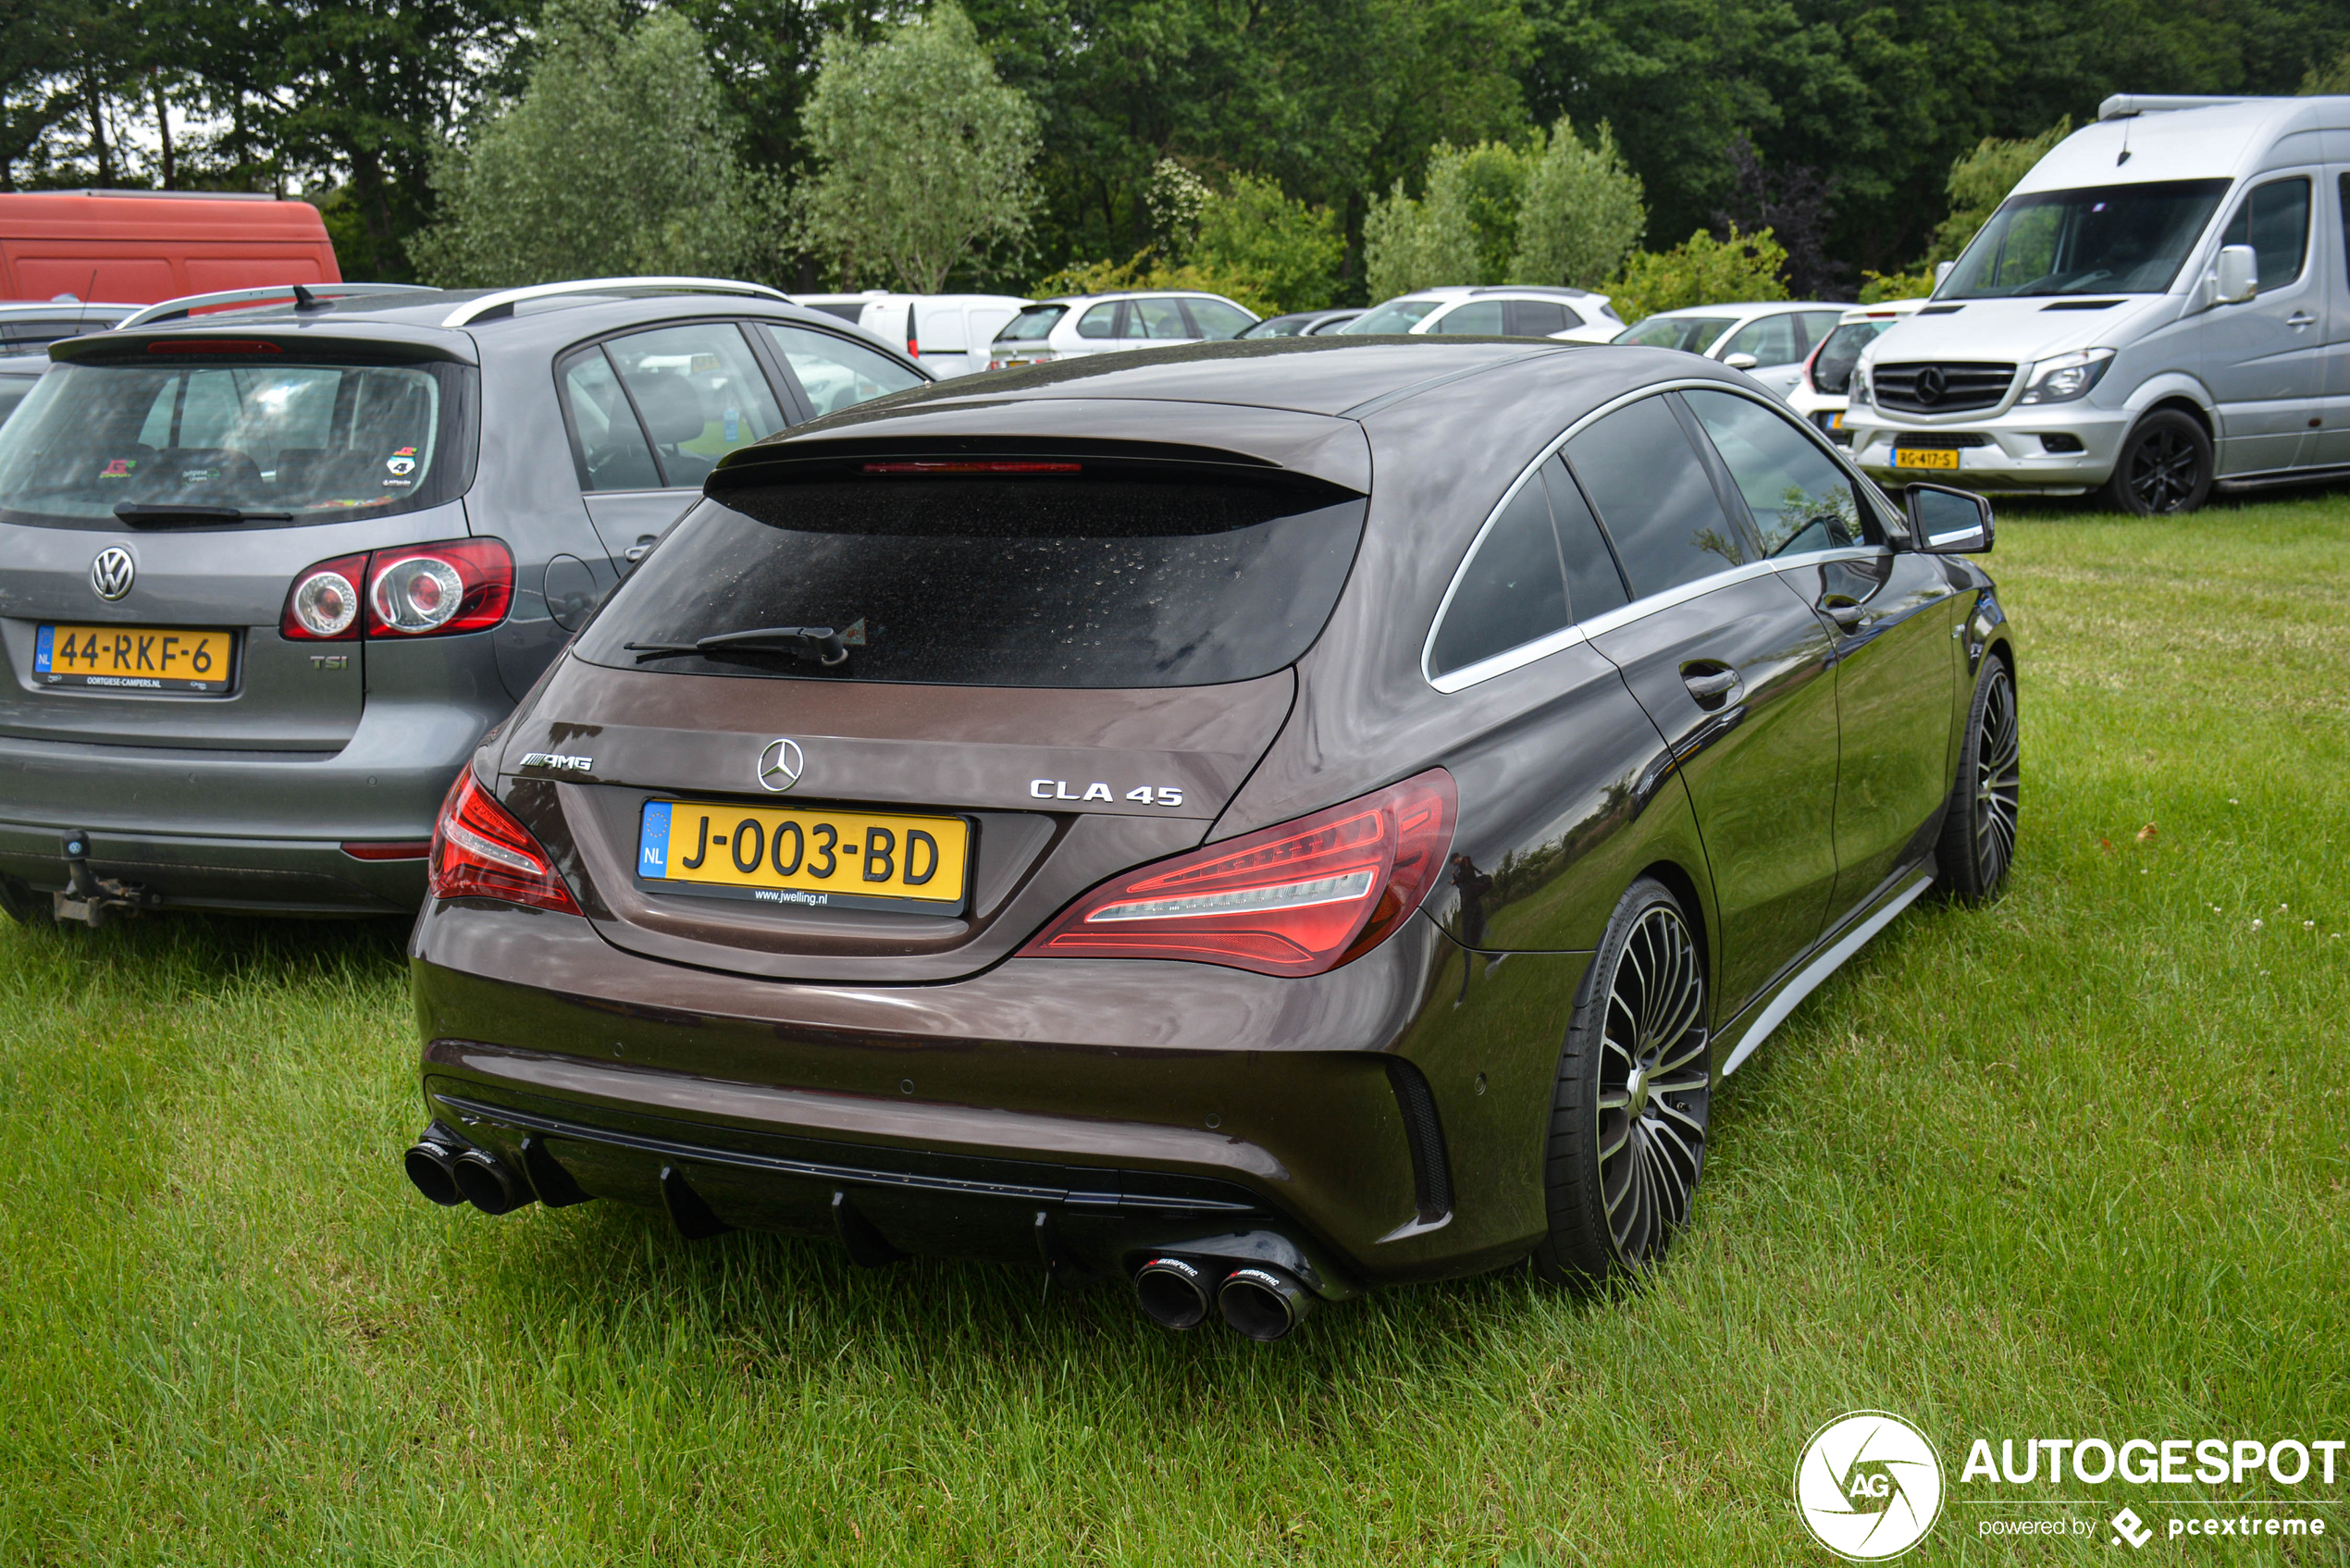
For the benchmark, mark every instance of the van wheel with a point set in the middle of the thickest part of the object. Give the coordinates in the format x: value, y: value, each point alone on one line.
x: 2165, y: 466
x: 1628, y: 1116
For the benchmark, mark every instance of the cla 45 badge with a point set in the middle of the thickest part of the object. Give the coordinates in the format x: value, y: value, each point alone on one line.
x: 1141, y: 794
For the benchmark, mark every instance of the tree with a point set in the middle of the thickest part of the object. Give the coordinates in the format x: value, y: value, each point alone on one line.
x: 616, y: 160
x: 923, y: 155
x: 1409, y: 244
x: 1792, y: 205
x: 1701, y: 270
x: 1582, y: 212
x: 1981, y: 181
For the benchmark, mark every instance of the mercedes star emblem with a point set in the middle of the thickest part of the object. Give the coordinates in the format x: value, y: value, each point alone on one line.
x: 780, y: 765
x: 1931, y: 384
x: 111, y: 574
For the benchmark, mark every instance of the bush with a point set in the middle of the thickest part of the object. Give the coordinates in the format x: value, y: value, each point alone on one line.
x: 1281, y: 251
x: 1582, y: 212
x: 1877, y: 287
x: 1701, y: 270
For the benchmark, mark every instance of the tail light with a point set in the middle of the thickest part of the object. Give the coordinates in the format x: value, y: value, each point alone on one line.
x: 1297, y: 899
x: 1812, y: 359
x: 415, y: 592
x: 460, y: 585
x: 480, y: 851
x: 323, y: 605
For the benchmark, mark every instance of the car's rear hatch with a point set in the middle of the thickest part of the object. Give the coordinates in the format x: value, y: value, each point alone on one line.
x: 1050, y: 659
x: 160, y: 493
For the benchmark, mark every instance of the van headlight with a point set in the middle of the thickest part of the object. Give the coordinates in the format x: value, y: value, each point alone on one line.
x: 2066, y: 378
x: 1856, y: 392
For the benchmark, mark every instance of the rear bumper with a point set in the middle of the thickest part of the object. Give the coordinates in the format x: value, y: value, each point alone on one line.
x: 1132, y: 1105
x: 260, y: 832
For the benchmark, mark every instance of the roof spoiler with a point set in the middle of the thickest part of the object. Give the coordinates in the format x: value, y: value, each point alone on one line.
x: 2127, y: 105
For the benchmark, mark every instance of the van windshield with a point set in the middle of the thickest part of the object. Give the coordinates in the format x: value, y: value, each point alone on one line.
x: 2106, y: 239
x: 280, y: 442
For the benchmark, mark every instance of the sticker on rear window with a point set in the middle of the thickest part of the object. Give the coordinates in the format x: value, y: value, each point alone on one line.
x: 118, y: 468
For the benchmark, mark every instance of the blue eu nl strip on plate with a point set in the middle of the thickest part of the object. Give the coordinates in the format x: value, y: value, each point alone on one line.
x: 43, y: 643
x: 652, y: 844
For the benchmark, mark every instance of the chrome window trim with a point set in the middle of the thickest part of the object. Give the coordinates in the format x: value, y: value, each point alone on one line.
x: 1640, y: 608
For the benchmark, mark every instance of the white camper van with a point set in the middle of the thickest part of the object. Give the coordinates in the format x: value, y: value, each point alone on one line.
x: 2162, y: 304
x: 950, y: 333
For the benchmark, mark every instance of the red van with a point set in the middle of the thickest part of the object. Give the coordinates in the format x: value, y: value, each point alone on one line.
x: 142, y: 246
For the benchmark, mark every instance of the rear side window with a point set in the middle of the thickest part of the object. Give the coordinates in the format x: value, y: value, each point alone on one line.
x: 692, y: 394
x: 1514, y: 590
x: 1540, y: 318
x: 1160, y: 320
x: 1544, y: 565
x: 1083, y: 580
x: 1216, y: 319
x: 1655, y: 498
x: 835, y: 373
x: 2274, y: 220
x: 1099, y: 321
x: 1801, y: 500
x: 293, y: 443
x: 1479, y: 317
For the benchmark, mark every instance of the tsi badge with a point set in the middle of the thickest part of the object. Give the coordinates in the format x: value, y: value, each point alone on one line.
x: 1869, y: 1486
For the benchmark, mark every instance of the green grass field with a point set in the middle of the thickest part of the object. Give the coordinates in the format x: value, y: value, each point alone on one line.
x: 2074, y: 1164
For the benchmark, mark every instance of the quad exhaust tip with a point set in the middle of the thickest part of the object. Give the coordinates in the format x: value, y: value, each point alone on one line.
x: 432, y: 1167
x: 1257, y: 1301
x: 451, y: 1173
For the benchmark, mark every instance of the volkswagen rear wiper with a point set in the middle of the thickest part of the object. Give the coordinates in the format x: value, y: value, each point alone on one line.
x: 163, y: 514
x: 820, y: 644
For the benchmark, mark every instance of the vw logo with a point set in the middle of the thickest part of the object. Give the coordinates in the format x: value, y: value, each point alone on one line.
x: 780, y: 765
x: 111, y: 574
x: 1931, y: 384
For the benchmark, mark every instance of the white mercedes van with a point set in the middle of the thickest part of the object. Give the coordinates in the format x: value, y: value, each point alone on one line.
x: 2162, y: 304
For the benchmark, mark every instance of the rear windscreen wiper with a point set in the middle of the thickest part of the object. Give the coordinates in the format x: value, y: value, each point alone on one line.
x: 820, y: 643
x: 163, y: 514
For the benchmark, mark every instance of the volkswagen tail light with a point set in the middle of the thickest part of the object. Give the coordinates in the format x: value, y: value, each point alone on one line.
x: 323, y: 604
x: 479, y: 850
x: 459, y: 585
x: 415, y: 592
x: 1297, y: 899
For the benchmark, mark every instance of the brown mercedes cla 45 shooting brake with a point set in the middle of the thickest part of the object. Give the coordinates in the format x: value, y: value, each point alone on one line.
x: 1259, y: 820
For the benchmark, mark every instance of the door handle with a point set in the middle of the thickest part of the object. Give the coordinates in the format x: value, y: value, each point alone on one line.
x: 1712, y: 685
x: 2299, y: 318
x: 1845, y: 613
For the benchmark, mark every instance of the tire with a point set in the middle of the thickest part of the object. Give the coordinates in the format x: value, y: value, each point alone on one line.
x: 1977, y: 845
x: 2164, y: 466
x: 21, y: 904
x: 1628, y: 1113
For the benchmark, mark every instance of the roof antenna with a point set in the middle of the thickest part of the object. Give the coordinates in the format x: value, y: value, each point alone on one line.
x: 304, y: 299
x: 2125, y: 142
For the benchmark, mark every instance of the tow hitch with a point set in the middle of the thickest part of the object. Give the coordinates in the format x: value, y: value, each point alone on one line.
x: 88, y: 897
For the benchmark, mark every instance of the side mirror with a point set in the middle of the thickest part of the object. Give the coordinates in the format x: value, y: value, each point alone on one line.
x: 1942, y: 270
x: 1741, y: 362
x: 2236, y: 278
x: 1948, y: 521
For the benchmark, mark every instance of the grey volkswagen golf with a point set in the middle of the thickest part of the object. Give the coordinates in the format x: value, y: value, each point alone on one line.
x: 271, y: 564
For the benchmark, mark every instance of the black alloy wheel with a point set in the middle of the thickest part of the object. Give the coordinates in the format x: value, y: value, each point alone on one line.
x: 1978, y: 833
x: 2165, y: 466
x: 1628, y: 1119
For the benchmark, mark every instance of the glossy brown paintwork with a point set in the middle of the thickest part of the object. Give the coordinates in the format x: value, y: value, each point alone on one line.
x: 895, y: 1040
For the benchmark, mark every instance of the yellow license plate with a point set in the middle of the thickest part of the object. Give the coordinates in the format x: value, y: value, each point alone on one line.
x: 134, y: 658
x: 809, y: 856
x: 1921, y: 457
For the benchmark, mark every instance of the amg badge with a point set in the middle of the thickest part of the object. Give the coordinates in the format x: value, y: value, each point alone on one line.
x: 556, y: 759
